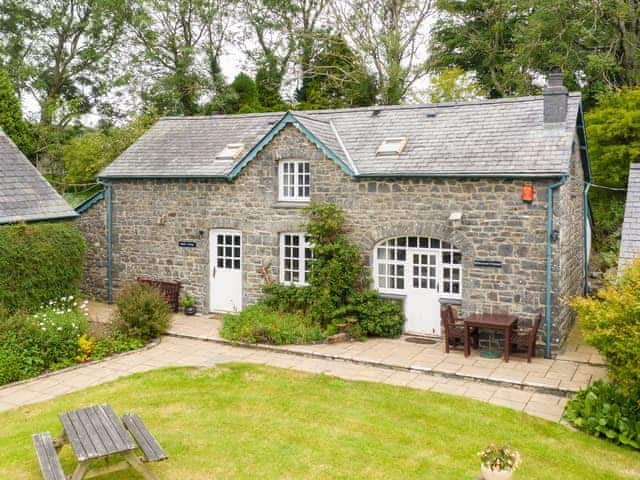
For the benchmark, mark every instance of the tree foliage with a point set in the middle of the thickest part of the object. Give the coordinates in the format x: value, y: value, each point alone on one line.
x: 391, y: 36
x: 60, y: 52
x: 83, y: 156
x: 453, y: 85
x: 336, y: 77
x: 11, y: 121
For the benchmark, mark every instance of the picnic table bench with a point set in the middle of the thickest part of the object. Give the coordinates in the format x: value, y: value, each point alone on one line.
x: 95, y: 433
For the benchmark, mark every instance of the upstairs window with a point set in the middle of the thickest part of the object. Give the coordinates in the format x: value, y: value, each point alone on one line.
x: 295, y: 258
x: 231, y: 151
x: 392, y: 146
x: 295, y: 181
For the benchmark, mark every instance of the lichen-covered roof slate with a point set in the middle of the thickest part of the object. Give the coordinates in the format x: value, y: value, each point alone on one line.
x: 630, y: 243
x: 25, y: 195
x: 491, y: 137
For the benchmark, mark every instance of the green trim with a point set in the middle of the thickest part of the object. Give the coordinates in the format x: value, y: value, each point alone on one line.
x: 547, y: 312
x: 587, y: 228
x: 286, y: 119
x: 162, y: 177
x: 89, y: 202
x: 365, y: 176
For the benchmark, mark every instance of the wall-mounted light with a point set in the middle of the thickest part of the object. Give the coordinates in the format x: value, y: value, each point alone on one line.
x: 555, y: 235
x: 528, y: 193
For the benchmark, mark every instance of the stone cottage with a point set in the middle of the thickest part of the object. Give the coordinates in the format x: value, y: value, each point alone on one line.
x: 25, y: 195
x: 480, y: 204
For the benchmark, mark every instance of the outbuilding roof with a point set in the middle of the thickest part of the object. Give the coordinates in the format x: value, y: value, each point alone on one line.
x: 505, y: 137
x: 24, y: 193
x: 630, y: 243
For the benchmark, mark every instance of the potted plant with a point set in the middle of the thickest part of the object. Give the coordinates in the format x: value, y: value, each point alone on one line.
x: 498, y: 462
x: 189, y: 304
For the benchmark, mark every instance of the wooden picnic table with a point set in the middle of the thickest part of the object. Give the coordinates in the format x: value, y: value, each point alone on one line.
x: 95, y: 433
x: 494, y: 321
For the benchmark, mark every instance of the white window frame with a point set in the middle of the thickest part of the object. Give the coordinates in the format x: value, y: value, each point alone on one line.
x: 284, y: 194
x: 303, y: 262
x: 449, y: 260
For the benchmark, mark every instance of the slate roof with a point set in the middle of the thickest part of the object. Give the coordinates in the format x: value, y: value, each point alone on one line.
x: 505, y: 137
x: 630, y: 243
x: 24, y: 193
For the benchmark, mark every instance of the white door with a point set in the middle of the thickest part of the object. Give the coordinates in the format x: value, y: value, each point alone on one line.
x: 422, y: 305
x: 225, y: 271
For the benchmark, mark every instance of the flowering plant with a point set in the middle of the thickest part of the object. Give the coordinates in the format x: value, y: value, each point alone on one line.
x: 498, y: 458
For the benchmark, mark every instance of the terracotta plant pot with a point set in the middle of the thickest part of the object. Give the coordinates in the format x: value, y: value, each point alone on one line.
x: 189, y: 310
x: 489, y: 474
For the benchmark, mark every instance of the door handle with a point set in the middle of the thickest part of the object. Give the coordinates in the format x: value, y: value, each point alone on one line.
x: 213, y: 275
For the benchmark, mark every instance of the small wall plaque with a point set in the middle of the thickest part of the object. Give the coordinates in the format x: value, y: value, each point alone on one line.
x: 184, y: 243
x: 487, y: 263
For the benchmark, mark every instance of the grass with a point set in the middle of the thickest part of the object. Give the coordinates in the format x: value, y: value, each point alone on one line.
x: 244, y: 422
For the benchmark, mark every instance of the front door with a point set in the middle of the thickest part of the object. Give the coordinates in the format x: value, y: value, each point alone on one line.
x: 225, y: 271
x: 422, y: 306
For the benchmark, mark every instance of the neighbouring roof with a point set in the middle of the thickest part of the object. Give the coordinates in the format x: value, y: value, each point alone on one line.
x: 505, y: 137
x: 630, y: 243
x: 25, y: 195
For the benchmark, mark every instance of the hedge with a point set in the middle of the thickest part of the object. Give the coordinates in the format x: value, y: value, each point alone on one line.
x: 39, y: 262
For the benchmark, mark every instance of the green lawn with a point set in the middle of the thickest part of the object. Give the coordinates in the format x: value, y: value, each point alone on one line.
x: 243, y: 421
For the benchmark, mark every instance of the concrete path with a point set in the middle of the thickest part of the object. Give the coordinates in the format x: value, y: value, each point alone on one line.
x: 172, y: 351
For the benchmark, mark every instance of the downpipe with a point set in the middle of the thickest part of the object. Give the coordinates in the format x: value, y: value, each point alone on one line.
x: 108, y: 198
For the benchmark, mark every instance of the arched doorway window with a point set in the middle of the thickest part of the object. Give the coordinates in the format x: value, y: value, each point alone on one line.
x: 423, y: 270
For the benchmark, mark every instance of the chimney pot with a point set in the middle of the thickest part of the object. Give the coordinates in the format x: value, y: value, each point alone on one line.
x: 556, y: 97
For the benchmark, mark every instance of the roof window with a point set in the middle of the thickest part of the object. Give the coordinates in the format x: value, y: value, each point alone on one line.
x: 231, y: 151
x: 392, y: 146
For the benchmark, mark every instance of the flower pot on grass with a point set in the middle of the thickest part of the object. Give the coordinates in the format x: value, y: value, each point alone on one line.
x: 498, y: 462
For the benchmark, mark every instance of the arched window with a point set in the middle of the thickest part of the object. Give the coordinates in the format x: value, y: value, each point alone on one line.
x: 405, y: 263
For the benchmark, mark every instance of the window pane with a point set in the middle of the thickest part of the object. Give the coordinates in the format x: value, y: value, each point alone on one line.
x: 446, y: 257
x: 227, y: 263
x: 424, y: 242
x: 413, y: 241
x: 382, y: 253
x: 402, y: 254
x: 236, y: 240
x: 400, y: 283
x: 220, y: 263
x: 435, y: 243
x: 236, y: 264
x: 457, y: 258
x: 456, y: 288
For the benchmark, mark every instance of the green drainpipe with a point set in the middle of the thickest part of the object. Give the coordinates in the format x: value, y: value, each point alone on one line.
x: 586, y: 242
x: 547, y: 312
x: 108, y: 197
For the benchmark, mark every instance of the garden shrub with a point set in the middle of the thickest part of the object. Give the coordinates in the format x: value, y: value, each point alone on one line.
x: 142, y: 312
x: 611, y: 323
x: 605, y: 410
x: 260, y: 324
x: 337, y: 271
x: 287, y: 298
x: 377, y: 316
x: 39, y: 262
x: 45, y: 340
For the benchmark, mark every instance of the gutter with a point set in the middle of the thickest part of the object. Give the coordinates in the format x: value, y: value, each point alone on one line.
x: 108, y: 196
x: 587, y: 224
x: 547, y: 312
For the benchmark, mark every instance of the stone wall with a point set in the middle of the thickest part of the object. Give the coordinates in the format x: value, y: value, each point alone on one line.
x: 150, y: 217
x: 93, y: 225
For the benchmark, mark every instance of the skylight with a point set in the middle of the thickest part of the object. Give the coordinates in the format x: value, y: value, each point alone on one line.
x: 231, y: 151
x: 392, y: 146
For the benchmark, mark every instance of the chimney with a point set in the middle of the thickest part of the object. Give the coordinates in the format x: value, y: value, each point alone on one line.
x: 555, y: 98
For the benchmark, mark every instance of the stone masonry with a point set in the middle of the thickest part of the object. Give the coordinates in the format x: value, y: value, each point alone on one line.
x: 150, y: 217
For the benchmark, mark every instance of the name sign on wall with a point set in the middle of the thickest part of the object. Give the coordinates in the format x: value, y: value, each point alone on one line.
x: 184, y: 243
x: 487, y: 263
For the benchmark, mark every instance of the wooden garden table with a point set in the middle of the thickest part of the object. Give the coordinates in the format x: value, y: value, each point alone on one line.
x: 96, y: 432
x: 493, y: 321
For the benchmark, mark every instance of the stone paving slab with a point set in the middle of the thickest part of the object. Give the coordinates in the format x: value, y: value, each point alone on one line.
x: 561, y: 375
x: 173, y: 351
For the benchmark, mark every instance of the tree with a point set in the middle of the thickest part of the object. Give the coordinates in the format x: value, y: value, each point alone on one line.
x: 179, y: 47
x: 85, y: 155
x: 453, y: 85
x: 240, y: 97
x: 11, y: 120
x: 59, y: 52
x: 391, y: 35
x: 596, y: 43
x: 613, y: 130
x: 336, y: 77
x: 479, y: 36
x: 284, y: 31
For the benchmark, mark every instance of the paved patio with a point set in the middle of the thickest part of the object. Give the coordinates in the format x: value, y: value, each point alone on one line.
x: 540, y: 388
x: 562, y: 375
x: 173, y: 351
